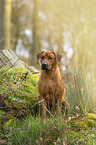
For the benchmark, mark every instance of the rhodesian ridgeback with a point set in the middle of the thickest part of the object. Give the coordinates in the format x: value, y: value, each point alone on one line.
x: 50, y: 83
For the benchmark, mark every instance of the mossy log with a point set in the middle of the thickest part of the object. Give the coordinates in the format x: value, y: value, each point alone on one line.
x: 18, y: 92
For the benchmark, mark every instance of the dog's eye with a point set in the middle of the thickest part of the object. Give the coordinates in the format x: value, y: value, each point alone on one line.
x: 42, y: 57
x: 50, y: 57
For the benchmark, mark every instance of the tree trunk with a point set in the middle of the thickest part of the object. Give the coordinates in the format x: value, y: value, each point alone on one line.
x: 7, y: 23
x: 1, y: 24
x: 33, y: 48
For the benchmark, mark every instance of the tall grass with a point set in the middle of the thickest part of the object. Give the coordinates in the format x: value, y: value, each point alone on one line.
x: 80, y: 90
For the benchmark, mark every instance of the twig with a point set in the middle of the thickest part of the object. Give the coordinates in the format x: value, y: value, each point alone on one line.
x: 35, y: 72
x: 19, y: 109
x: 38, y: 103
x: 9, y: 67
x: 14, y: 63
x: 2, y: 107
x: 5, y: 62
x: 49, y: 112
x: 45, y: 108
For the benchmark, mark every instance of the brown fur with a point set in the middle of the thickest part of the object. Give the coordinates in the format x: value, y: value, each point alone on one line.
x: 50, y: 82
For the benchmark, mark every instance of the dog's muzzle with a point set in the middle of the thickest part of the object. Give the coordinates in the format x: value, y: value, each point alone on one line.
x: 44, y: 66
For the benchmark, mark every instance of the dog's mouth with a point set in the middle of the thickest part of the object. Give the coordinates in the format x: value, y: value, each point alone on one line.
x: 45, y: 68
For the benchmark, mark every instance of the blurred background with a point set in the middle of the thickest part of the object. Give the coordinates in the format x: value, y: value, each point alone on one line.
x: 66, y: 26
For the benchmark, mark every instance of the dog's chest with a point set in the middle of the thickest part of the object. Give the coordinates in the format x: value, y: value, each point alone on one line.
x: 47, y: 86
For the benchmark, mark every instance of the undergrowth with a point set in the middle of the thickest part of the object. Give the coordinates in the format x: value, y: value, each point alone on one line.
x: 34, y: 131
x: 18, y: 93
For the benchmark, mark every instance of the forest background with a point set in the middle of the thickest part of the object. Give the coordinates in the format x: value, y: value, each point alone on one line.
x: 28, y: 27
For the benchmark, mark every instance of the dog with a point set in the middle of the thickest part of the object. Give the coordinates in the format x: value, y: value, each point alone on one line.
x: 50, y: 83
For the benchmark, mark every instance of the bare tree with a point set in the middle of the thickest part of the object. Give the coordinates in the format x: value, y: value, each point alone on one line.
x: 1, y: 24
x: 33, y: 48
x: 5, y: 24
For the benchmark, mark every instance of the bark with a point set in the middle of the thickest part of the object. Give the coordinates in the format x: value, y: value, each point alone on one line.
x: 7, y: 23
x: 1, y: 24
x: 33, y: 48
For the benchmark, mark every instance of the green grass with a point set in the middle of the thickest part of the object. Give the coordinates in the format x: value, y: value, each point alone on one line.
x: 35, y: 131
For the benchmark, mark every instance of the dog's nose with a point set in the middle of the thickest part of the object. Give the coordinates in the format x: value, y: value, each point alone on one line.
x: 44, y: 65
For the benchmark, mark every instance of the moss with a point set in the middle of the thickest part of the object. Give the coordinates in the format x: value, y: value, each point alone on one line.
x: 11, y: 122
x: 78, y: 138
x: 90, y: 116
x: 18, y: 91
x: 82, y: 130
x: 89, y: 120
x: 78, y: 124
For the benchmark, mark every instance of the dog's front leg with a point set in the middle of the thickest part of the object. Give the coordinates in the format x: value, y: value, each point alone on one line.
x: 44, y: 105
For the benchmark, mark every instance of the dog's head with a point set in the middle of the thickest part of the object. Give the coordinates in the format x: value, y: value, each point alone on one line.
x: 48, y: 59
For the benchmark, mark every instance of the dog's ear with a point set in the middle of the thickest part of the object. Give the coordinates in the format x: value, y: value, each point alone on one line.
x: 39, y: 54
x: 58, y: 55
